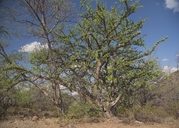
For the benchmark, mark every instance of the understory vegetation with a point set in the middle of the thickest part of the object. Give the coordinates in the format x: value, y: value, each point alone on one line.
x: 158, y: 104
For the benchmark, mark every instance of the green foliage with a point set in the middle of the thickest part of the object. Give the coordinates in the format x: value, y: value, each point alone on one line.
x: 105, y: 56
x: 150, y: 113
x: 12, y: 99
x: 23, y: 98
x: 20, y: 96
x: 99, y: 57
x: 145, y: 114
x: 39, y: 57
x: 173, y: 109
x: 78, y: 110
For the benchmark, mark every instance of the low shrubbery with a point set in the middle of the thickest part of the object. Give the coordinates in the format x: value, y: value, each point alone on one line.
x: 149, y: 113
x: 81, y: 109
x: 148, y: 105
x: 173, y: 109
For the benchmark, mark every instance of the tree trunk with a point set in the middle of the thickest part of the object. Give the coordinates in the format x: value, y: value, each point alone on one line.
x: 110, y: 111
x: 107, y: 113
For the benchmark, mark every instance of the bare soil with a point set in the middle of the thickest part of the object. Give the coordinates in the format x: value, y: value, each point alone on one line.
x: 95, y: 123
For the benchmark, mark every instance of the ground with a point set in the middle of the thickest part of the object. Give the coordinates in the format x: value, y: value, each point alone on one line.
x: 98, y: 123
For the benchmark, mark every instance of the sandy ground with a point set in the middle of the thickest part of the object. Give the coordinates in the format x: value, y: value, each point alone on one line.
x: 109, y: 123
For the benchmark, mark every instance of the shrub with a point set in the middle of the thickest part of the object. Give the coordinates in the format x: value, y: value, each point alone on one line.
x: 78, y: 110
x: 23, y: 98
x: 145, y: 114
x: 149, y: 113
x: 40, y: 101
x: 173, y: 109
x: 2, y: 113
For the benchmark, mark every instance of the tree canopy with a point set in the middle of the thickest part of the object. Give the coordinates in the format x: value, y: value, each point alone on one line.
x: 98, y: 57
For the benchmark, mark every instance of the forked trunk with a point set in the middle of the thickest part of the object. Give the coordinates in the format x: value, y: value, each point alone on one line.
x: 110, y: 110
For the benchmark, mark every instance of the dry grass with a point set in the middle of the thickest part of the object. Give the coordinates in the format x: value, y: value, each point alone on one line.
x: 108, y: 123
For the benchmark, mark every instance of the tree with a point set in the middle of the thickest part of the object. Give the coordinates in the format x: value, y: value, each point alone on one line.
x: 39, y: 18
x: 8, y: 78
x: 105, y: 65
x: 98, y: 57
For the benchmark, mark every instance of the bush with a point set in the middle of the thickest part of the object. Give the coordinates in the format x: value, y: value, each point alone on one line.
x: 22, y: 98
x: 2, y: 112
x: 173, y: 109
x: 150, y: 113
x: 40, y: 101
x: 78, y: 110
x: 145, y: 114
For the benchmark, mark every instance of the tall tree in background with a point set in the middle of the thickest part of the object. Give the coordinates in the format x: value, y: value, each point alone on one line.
x: 8, y: 78
x: 39, y: 19
x: 12, y: 77
x: 44, y: 17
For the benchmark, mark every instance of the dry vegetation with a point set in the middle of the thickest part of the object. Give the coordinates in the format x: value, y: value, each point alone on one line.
x: 160, y: 111
x: 97, y: 123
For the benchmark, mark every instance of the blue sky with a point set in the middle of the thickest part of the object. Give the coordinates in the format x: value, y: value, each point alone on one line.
x: 163, y: 20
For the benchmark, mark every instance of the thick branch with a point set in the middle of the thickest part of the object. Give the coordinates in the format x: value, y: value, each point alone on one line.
x: 113, y: 103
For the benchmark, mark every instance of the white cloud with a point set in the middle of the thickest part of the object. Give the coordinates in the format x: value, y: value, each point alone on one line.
x: 177, y: 55
x: 165, y: 59
x: 34, y: 46
x: 172, y: 4
x: 168, y: 70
